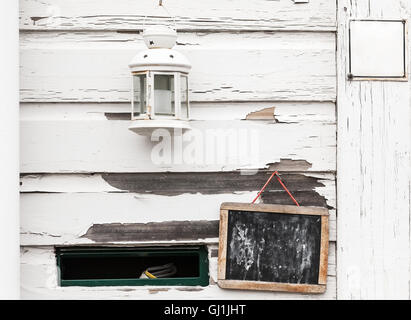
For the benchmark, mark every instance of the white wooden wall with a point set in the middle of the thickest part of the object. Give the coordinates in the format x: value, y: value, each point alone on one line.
x: 374, y: 136
x: 247, y: 56
x: 81, y: 166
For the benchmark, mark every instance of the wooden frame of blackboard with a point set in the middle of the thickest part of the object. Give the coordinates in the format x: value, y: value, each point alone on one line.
x: 272, y: 286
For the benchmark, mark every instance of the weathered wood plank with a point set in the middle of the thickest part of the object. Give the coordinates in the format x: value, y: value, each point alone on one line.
x: 222, y: 245
x: 175, y: 183
x: 53, y: 146
x: 284, y: 112
x: 264, y: 207
x: 39, y: 281
x: 56, y: 67
x: 325, y: 230
x: 309, y: 189
x: 267, y: 286
x: 373, y: 171
x: 42, y: 192
x: 62, y: 218
x: 211, y: 15
x: 152, y: 231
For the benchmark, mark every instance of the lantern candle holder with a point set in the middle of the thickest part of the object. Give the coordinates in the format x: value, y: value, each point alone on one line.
x: 159, y: 84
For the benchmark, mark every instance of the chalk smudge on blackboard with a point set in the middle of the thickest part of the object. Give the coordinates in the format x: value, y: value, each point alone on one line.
x: 245, y: 251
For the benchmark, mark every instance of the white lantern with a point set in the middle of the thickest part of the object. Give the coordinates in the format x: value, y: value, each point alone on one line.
x: 160, y: 84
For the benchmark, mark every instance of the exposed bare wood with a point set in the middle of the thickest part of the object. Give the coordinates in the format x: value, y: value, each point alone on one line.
x: 322, y: 278
x: 214, y: 252
x: 222, y: 247
x: 174, y: 183
x: 297, y: 165
x: 205, y: 183
x: 152, y: 231
x: 271, y: 286
x: 274, y: 208
x: 154, y: 291
x: 264, y: 114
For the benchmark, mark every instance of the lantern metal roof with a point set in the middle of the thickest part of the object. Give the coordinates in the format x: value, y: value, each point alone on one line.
x: 162, y: 58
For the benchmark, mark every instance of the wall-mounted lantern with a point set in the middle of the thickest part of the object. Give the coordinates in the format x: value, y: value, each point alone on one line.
x: 160, y: 84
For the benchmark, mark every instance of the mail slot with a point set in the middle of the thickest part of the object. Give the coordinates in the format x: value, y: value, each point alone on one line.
x: 125, y: 266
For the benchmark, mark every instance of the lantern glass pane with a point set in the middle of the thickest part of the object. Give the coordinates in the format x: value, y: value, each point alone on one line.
x: 164, y: 94
x: 139, y: 94
x: 184, y: 97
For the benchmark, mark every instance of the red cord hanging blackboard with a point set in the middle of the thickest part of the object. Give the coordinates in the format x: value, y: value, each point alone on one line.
x: 275, y: 173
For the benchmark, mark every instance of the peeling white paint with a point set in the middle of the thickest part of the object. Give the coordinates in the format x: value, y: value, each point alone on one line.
x: 212, y: 15
x: 53, y: 146
x: 374, y: 248
x: 65, y: 131
x: 278, y: 66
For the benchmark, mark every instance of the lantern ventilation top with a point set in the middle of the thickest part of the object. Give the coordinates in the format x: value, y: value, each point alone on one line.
x: 160, y: 56
x: 159, y: 37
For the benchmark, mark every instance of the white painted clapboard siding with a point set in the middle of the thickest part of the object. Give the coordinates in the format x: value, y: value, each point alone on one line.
x: 62, y: 218
x: 39, y: 278
x: 95, y: 182
x: 193, y: 15
x: 283, y: 112
x: 93, y: 146
x: 74, y: 78
x: 94, y: 67
x: 373, y: 171
x: 58, y: 209
x: 50, y: 135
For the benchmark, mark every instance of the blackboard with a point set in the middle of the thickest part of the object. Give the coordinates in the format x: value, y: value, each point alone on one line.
x: 273, y: 247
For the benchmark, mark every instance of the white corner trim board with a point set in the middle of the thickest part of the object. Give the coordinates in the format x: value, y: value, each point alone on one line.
x: 373, y: 168
x: 9, y: 160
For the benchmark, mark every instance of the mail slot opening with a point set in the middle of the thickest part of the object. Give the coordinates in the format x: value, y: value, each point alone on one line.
x: 132, y: 266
